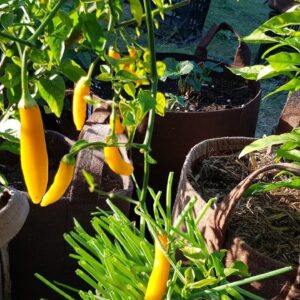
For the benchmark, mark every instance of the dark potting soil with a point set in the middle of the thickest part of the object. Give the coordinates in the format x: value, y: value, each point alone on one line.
x: 268, y: 222
x: 220, y: 94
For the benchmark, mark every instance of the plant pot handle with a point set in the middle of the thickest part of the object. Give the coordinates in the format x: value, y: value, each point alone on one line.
x: 242, y: 55
x: 221, y: 216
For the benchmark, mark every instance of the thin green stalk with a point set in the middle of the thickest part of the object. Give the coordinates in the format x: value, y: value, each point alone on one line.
x: 169, y: 199
x: 205, y: 209
x: 184, y: 212
x: 46, y: 21
x: 54, y: 287
x: 115, y: 196
x: 94, y: 145
x: 26, y: 97
x: 165, y: 8
x: 248, y: 294
x: 149, y: 132
x: 16, y: 39
x: 244, y: 281
x: 92, y: 67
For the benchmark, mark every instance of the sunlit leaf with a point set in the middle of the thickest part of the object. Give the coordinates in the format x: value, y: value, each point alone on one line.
x: 72, y: 70
x: 52, y: 90
x: 160, y: 104
x: 136, y: 10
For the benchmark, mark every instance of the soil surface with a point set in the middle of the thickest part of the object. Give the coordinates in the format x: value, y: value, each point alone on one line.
x: 223, y: 92
x: 268, y: 222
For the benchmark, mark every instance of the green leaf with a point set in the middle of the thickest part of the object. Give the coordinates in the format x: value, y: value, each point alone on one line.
x: 7, y: 20
x: 262, y: 187
x: 10, y: 147
x: 189, y: 275
x: 193, y: 253
x: 250, y: 73
x: 292, y: 86
x: 130, y: 89
x: 38, y: 56
x: 52, y: 91
x: 284, y: 61
x: 271, y: 140
x: 234, y: 293
x: 239, y: 267
x: 259, y: 37
x: 160, y: 104
x: 146, y: 101
x: 151, y: 160
x: 3, y: 180
x: 79, y: 145
x: 123, y: 75
x: 11, y: 77
x: 10, y: 130
x: 93, y: 31
x: 136, y: 10
x: 57, y: 48
x: 104, y: 77
x: 209, y: 281
x: 185, y: 67
x: 278, y: 24
x: 72, y: 70
x: 90, y: 180
x: 293, y: 155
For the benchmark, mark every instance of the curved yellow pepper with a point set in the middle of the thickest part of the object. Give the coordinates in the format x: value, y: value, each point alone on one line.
x: 79, y: 106
x: 157, y: 283
x: 115, y: 161
x: 33, y: 150
x: 62, y: 180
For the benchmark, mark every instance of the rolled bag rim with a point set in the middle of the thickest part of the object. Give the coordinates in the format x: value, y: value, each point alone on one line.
x: 13, y: 215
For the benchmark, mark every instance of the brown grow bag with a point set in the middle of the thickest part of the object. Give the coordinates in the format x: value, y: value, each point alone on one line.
x: 39, y: 246
x: 213, y: 226
x: 176, y: 132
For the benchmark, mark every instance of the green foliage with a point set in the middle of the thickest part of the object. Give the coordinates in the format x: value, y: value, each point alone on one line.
x: 190, y: 76
x: 288, y: 151
x: 277, y: 31
x: 117, y: 259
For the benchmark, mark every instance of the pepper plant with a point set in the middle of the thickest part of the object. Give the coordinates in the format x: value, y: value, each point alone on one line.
x: 38, y: 41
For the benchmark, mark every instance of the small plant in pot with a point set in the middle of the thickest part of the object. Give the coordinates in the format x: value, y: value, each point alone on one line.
x: 205, y: 97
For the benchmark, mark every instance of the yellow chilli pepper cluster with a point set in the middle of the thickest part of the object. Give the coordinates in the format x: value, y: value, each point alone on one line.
x: 134, y: 68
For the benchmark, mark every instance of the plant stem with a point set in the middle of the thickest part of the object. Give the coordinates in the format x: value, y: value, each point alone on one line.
x: 26, y: 97
x: 149, y: 132
x: 46, y: 21
x: 154, y: 12
x: 16, y: 39
x: 243, y: 281
x: 100, y: 145
x: 92, y: 67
